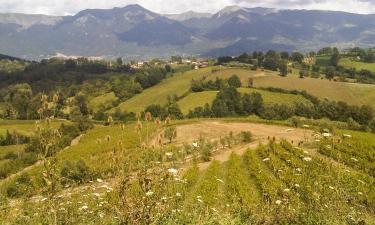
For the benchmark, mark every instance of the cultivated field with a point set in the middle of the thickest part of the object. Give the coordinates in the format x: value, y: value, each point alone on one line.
x: 25, y: 127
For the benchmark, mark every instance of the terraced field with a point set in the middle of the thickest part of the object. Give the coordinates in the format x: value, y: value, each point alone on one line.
x: 198, y: 99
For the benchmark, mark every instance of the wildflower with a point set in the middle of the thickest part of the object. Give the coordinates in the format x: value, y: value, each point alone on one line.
x: 278, y: 202
x: 101, y: 215
x: 99, y: 180
x: 149, y: 193
x: 164, y: 199
x: 266, y: 159
x: 299, y: 170
x: 286, y: 190
x: 296, y: 185
x: 84, y: 207
x: 305, y: 126
x: 360, y: 193
x: 169, y: 154
x: 173, y: 171
x: 195, y: 145
x: 178, y: 194
x: 307, y: 159
x: 332, y: 188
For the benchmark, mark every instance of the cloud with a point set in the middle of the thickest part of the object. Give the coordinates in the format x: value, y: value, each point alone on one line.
x: 68, y: 7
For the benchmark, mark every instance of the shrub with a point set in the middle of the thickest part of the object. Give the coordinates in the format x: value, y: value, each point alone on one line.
x: 170, y: 133
x: 246, y: 136
x: 77, y: 172
x: 21, y: 186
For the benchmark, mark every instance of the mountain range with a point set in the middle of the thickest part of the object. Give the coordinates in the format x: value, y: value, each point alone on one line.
x: 133, y: 32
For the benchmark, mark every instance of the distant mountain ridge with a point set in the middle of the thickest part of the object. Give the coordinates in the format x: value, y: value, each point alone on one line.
x: 134, y: 32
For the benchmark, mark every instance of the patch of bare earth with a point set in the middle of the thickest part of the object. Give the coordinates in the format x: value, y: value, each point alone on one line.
x: 262, y: 133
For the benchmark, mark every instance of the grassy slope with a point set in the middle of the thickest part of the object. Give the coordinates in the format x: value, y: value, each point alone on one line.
x: 348, y: 63
x: 200, y: 99
x: 26, y: 127
x: 352, y: 93
x: 179, y: 84
x: 106, y: 100
x: 4, y: 150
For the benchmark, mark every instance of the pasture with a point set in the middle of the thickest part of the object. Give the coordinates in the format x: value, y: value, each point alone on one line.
x: 199, y: 99
x: 352, y: 93
x: 350, y: 63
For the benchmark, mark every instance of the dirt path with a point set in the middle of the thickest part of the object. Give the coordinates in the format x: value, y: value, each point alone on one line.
x: 213, y: 130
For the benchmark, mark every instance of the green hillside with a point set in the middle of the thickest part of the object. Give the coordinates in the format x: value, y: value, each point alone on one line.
x: 350, y: 63
x: 352, y: 93
x: 201, y: 98
x: 105, y: 101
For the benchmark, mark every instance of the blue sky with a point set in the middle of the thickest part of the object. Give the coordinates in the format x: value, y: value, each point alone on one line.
x: 69, y: 7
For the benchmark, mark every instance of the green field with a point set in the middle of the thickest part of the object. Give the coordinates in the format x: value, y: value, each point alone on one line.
x: 349, y: 63
x: 323, y: 60
x: 201, y: 98
x: 105, y: 101
x: 179, y: 85
x: 4, y: 150
x: 25, y: 127
x: 352, y: 93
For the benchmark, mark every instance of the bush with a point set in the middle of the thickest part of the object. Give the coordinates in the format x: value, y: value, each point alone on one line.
x: 246, y: 136
x: 21, y: 186
x: 78, y: 172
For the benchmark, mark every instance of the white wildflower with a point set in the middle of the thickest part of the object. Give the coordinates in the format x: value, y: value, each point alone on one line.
x: 173, y: 171
x: 99, y: 180
x: 84, y: 207
x: 286, y: 190
x: 360, y: 193
x: 178, y: 194
x: 296, y: 185
x: 278, y: 202
x: 169, y: 154
x: 307, y: 159
x: 149, y: 193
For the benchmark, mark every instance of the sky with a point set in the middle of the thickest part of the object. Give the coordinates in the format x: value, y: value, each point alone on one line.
x: 70, y: 7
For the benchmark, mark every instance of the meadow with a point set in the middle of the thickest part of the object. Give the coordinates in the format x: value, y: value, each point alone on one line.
x: 25, y: 127
x: 179, y: 84
x: 350, y: 63
x: 103, y: 101
x: 199, y: 99
x: 351, y: 93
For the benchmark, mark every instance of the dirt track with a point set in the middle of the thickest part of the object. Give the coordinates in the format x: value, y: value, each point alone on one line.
x: 213, y: 130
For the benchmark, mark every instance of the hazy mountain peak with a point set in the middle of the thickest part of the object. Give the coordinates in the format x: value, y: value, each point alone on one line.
x: 230, y: 9
x: 188, y: 15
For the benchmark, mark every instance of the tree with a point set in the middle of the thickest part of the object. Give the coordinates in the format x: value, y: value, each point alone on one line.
x: 330, y: 72
x: 297, y: 57
x: 335, y: 58
x: 234, y: 81
x: 272, y: 60
x: 283, y: 67
x: 252, y: 103
x: 81, y: 102
x: 250, y: 82
x: 170, y: 133
x: 284, y: 55
x: 119, y: 61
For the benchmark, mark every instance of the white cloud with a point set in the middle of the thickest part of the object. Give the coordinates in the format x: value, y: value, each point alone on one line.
x: 64, y: 7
